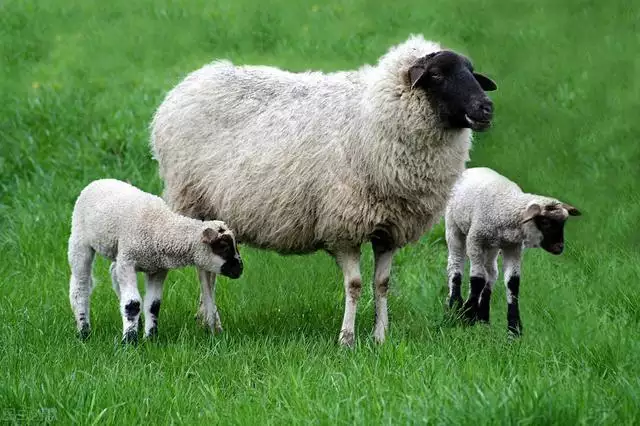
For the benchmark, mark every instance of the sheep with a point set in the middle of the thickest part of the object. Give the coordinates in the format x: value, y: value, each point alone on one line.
x: 139, y: 233
x: 487, y: 214
x: 323, y: 161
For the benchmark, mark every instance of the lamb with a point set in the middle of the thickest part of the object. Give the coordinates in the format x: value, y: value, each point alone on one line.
x: 487, y: 214
x: 138, y: 232
x: 300, y: 162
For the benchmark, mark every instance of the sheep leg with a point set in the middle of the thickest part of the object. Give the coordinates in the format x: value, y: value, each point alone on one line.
x: 208, y: 310
x: 80, y: 286
x: 491, y: 268
x: 349, y: 262
x: 152, y: 300
x: 478, y: 281
x: 130, y: 300
x: 383, y: 256
x: 456, y: 246
x: 512, y: 259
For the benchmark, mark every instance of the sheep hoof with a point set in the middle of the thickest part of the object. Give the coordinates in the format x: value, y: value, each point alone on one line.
x: 217, y: 324
x: 84, y: 332
x: 346, y: 338
x: 379, y: 335
x: 130, y: 337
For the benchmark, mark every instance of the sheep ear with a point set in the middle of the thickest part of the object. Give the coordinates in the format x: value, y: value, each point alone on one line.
x: 533, y: 210
x: 572, y: 210
x: 486, y: 83
x: 416, y: 73
x: 209, y: 236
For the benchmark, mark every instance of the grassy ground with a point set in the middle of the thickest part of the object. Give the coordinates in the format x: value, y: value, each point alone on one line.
x: 79, y: 83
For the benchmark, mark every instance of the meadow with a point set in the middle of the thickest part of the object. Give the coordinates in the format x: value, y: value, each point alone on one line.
x: 79, y: 82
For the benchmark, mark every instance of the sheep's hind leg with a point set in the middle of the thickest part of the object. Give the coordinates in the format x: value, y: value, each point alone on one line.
x: 349, y: 262
x: 129, y: 301
x: 491, y: 268
x: 208, y: 310
x: 152, y: 300
x: 80, y: 286
x: 383, y: 257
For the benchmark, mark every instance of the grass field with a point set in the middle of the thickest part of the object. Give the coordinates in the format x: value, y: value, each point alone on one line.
x: 79, y: 81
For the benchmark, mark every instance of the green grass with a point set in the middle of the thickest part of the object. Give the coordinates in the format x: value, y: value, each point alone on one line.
x: 79, y: 84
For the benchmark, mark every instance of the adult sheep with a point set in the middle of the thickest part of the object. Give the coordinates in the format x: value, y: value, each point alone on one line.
x: 300, y: 162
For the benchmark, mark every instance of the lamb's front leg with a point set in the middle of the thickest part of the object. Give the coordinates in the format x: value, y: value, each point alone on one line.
x: 383, y: 257
x: 129, y: 300
x: 208, y: 310
x: 511, y: 260
x: 152, y: 300
x: 349, y: 262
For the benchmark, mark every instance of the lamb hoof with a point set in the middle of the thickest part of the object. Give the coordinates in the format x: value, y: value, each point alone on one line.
x: 84, y: 332
x: 130, y: 337
x: 346, y: 338
x: 152, y: 333
x: 515, y: 331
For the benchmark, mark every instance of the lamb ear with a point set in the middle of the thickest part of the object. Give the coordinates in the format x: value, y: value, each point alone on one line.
x: 209, y: 236
x: 572, y: 210
x: 533, y: 210
x: 486, y: 83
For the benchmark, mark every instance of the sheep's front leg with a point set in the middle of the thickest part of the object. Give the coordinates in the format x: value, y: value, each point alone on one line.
x: 208, y: 310
x: 478, y: 281
x: 152, y: 300
x: 349, y: 262
x: 455, y: 265
x: 511, y: 260
x: 491, y: 268
x: 129, y: 300
x: 383, y: 257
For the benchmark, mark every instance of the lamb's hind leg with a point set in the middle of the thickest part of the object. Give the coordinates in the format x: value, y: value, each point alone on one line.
x: 455, y: 265
x: 478, y: 281
x: 383, y: 256
x: 80, y: 286
x: 349, y: 262
x: 491, y: 268
x: 208, y: 310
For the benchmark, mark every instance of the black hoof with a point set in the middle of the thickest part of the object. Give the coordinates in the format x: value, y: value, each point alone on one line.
x: 84, y: 332
x: 153, y: 333
x: 130, y: 337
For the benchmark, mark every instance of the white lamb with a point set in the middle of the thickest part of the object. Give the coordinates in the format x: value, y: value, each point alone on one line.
x: 488, y: 213
x: 138, y: 232
x: 299, y: 162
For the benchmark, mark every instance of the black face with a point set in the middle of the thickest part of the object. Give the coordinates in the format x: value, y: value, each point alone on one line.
x: 552, y: 233
x: 226, y: 249
x: 455, y: 91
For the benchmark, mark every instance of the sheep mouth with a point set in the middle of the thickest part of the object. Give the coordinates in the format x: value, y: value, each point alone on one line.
x: 477, y: 125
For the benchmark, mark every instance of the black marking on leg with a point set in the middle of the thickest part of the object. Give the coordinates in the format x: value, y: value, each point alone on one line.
x: 513, y: 308
x: 484, y: 305
x: 130, y: 337
x: 471, y: 305
x: 155, y: 308
x: 455, y: 300
x: 132, y: 309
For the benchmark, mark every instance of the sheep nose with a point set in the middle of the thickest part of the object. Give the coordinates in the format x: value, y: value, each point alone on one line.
x: 487, y: 108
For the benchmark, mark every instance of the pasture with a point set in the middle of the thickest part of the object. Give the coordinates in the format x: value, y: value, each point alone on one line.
x: 79, y: 84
